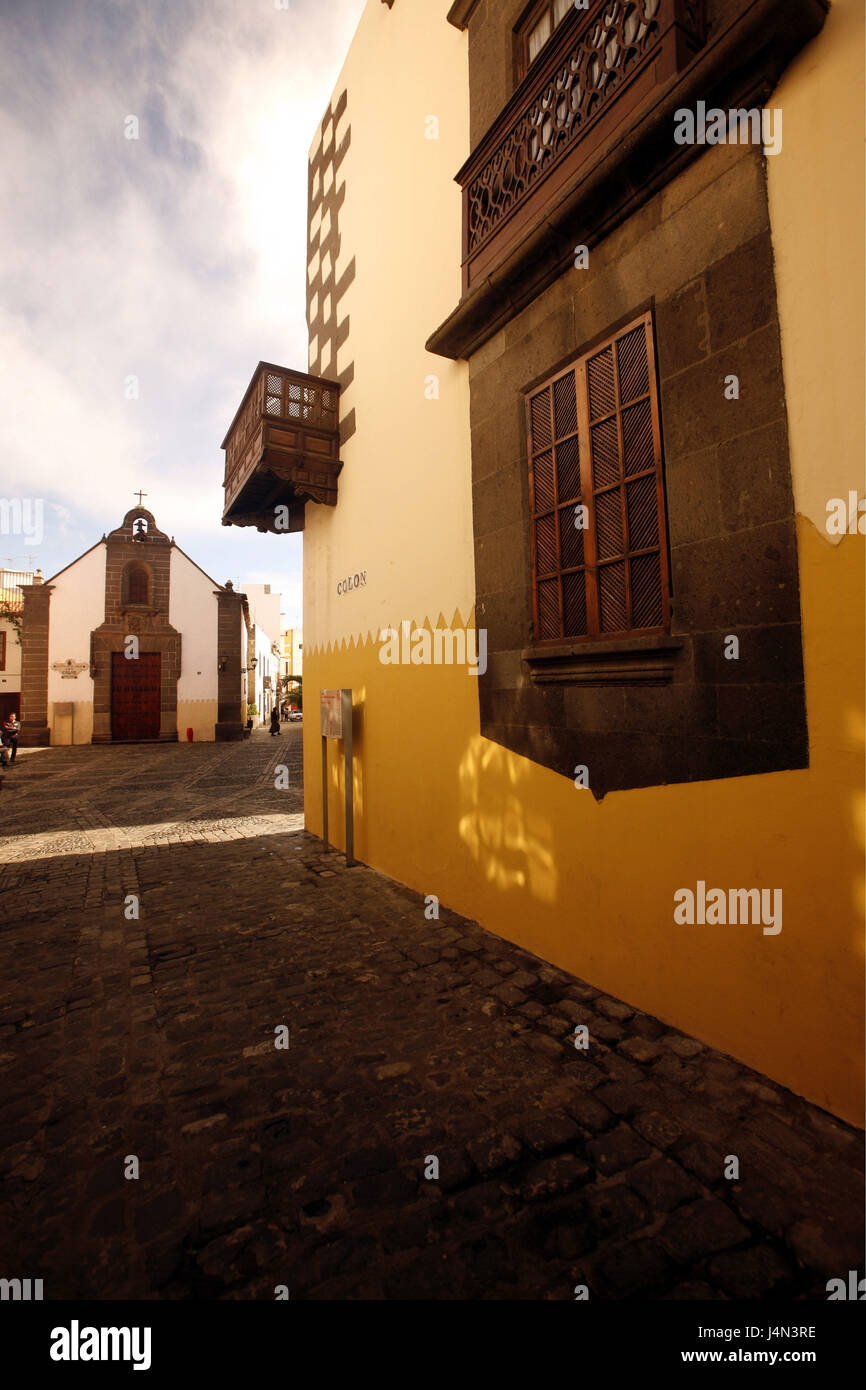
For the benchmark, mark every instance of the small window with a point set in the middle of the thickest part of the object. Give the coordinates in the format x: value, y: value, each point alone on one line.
x: 137, y: 584
x: 2, y: 651
x: 599, y: 539
x: 535, y: 30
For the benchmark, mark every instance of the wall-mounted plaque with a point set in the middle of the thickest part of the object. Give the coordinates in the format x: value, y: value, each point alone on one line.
x: 332, y: 713
x: 70, y: 669
x: 336, y: 710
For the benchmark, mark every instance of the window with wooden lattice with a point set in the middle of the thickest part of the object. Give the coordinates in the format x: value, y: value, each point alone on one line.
x: 137, y: 580
x: 599, y: 539
x: 534, y: 30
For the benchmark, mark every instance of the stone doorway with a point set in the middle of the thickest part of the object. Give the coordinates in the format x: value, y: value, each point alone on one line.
x: 135, y: 695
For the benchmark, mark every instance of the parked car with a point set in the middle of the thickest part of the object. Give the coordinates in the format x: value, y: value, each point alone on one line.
x: 295, y: 715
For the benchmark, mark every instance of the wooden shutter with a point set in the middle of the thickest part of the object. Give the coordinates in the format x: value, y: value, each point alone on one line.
x: 595, y: 443
x: 137, y: 584
x: 535, y: 30
x: 2, y: 651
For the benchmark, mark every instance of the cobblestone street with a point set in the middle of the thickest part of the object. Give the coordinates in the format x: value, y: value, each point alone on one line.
x: 409, y: 1039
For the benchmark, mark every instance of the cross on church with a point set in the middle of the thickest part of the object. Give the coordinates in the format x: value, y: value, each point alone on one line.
x: 139, y: 495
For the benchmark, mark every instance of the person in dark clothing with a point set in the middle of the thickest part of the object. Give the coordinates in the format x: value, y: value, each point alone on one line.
x: 275, y: 721
x: 11, y: 730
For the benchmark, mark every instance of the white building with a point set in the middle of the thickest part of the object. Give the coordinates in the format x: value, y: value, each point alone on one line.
x: 132, y: 641
x: 292, y: 659
x: 11, y: 606
x: 265, y: 630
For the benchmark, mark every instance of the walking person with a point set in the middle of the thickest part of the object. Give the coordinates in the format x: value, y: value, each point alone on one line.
x: 11, y: 730
x: 275, y: 721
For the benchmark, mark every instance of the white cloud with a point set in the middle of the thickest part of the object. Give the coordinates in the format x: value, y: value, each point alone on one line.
x: 178, y: 258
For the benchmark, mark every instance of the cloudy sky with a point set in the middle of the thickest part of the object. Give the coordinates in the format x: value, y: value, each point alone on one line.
x: 177, y: 258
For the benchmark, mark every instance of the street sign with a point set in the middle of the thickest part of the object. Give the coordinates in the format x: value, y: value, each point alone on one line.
x: 336, y: 715
x: 332, y: 713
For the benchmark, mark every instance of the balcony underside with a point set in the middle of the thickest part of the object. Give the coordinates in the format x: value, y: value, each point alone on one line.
x: 273, y: 496
x: 282, y: 450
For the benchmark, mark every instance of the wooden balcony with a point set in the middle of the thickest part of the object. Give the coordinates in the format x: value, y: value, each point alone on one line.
x: 601, y: 65
x: 282, y: 449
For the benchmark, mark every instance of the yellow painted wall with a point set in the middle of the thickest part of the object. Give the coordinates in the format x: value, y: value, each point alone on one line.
x: 586, y: 884
x: 516, y: 846
x: 198, y: 715
x: 75, y: 728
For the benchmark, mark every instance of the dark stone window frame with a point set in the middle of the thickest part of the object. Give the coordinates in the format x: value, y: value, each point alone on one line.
x: 628, y: 653
x: 712, y: 719
x: 738, y: 56
x: 134, y: 572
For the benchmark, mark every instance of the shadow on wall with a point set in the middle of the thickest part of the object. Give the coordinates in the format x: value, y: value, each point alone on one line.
x: 591, y: 885
x: 337, y: 781
x: 512, y: 847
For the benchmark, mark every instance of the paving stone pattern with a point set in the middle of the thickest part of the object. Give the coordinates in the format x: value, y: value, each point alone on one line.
x: 409, y: 1039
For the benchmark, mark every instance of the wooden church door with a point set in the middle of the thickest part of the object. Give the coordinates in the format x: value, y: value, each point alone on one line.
x: 135, y: 701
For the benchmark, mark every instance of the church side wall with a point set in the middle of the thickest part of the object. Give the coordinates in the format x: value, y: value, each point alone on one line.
x: 77, y: 607
x: 193, y: 611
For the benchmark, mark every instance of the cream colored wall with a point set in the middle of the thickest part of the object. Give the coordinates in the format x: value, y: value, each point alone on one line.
x: 266, y: 665
x: 265, y: 609
x: 404, y: 514
x: 77, y: 606
x: 816, y: 192
x: 198, y: 715
x: 193, y: 611
x: 70, y: 727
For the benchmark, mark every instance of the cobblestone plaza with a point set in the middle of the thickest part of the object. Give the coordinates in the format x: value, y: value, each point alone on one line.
x: 410, y: 1040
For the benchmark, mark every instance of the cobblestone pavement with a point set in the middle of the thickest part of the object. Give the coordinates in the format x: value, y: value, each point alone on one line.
x: 409, y: 1039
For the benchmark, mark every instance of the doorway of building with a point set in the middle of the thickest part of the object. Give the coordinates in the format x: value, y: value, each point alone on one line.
x: 135, y: 695
x: 10, y: 703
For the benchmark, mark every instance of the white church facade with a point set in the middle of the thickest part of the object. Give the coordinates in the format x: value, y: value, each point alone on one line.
x: 133, y: 641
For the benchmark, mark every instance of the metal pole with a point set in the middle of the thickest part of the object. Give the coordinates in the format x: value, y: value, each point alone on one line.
x: 350, y: 787
x: 325, y: 790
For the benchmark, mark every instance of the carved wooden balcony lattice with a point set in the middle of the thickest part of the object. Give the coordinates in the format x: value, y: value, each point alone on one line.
x: 601, y: 65
x: 282, y: 449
